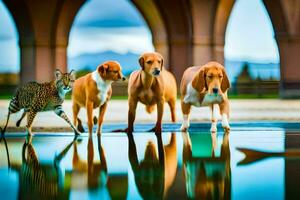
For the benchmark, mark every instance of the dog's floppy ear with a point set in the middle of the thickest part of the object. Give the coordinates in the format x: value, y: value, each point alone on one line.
x: 162, y: 62
x: 199, y: 82
x: 102, y: 69
x: 142, y: 62
x: 225, y: 85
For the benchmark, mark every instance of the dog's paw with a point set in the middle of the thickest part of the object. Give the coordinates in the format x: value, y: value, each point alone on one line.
x: 184, y: 128
x: 213, y: 128
x: 225, y: 123
x: 226, y: 128
x: 156, y: 129
x: 77, y: 132
x: 99, y: 130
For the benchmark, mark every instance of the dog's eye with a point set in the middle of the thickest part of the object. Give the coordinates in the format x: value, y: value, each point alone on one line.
x: 149, y: 62
x: 210, y: 76
x: 220, y: 76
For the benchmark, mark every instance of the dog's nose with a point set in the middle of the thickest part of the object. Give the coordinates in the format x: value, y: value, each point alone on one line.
x: 156, y: 71
x: 215, y: 90
x: 123, y: 78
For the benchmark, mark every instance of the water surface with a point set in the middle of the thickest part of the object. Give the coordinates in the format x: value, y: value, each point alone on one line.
x: 194, y: 165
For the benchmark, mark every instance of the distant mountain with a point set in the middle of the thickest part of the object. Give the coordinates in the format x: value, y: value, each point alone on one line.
x: 129, y: 62
x: 90, y: 61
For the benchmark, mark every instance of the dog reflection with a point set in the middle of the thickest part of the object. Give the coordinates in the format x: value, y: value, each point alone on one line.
x: 38, y: 180
x: 93, y: 174
x: 96, y: 172
x: 207, y: 175
x: 155, y: 173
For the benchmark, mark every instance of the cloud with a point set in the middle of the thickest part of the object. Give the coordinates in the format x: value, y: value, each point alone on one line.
x: 117, y: 13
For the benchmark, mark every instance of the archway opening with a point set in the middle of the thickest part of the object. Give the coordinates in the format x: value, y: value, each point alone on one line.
x: 251, y: 51
x: 9, y: 53
x: 108, y: 30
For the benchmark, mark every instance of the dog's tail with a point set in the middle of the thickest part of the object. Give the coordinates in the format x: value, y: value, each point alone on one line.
x: 150, y: 109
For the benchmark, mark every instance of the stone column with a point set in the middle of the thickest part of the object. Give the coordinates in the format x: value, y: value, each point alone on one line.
x: 28, y: 67
x: 289, y: 49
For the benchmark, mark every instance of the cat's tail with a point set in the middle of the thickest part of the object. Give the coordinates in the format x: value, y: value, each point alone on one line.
x: 4, y: 129
x: 13, y: 108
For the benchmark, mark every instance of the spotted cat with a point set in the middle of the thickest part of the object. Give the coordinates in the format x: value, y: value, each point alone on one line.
x: 36, y: 97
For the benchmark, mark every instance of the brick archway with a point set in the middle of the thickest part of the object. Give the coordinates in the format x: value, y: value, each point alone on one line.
x: 185, y: 32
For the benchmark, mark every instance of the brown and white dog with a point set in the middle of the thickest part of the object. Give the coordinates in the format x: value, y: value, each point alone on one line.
x: 205, y: 86
x: 152, y: 85
x: 94, y: 90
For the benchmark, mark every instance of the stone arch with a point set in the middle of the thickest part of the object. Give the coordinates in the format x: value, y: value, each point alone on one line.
x: 285, y: 19
x: 178, y: 22
x: 66, y: 12
x: 171, y: 28
x: 209, y: 21
x: 44, y: 28
x: 223, y: 11
x: 153, y: 18
x: 185, y: 32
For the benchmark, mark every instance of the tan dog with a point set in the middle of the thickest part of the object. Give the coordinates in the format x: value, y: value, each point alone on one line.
x: 205, y: 86
x: 152, y: 85
x: 94, y: 90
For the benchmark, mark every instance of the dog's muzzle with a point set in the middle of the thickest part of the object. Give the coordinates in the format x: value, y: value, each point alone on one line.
x: 156, y: 72
x: 215, y: 90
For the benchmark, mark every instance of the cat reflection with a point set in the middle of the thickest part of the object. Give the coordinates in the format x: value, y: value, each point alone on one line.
x: 207, y: 174
x: 38, y: 180
x: 155, y: 173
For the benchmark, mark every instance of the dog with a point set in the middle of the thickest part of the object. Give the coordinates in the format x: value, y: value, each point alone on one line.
x: 205, y: 86
x: 94, y: 90
x: 152, y: 85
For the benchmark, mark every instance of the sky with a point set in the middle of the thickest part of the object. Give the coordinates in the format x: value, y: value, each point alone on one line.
x: 104, y: 25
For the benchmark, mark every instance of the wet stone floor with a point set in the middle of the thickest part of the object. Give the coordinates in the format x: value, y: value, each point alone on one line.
x: 254, y: 161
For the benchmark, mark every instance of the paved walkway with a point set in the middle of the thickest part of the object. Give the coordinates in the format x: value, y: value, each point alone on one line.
x: 241, y: 110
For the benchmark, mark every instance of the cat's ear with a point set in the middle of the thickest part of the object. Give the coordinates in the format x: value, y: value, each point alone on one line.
x: 58, y: 74
x: 72, y: 75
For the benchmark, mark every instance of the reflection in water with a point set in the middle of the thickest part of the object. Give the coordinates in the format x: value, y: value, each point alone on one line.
x: 98, y: 168
x: 95, y: 172
x: 40, y: 180
x: 252, y: 155
x: 155, y: 173
x: 207, y: 174
x: 2, y: 138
